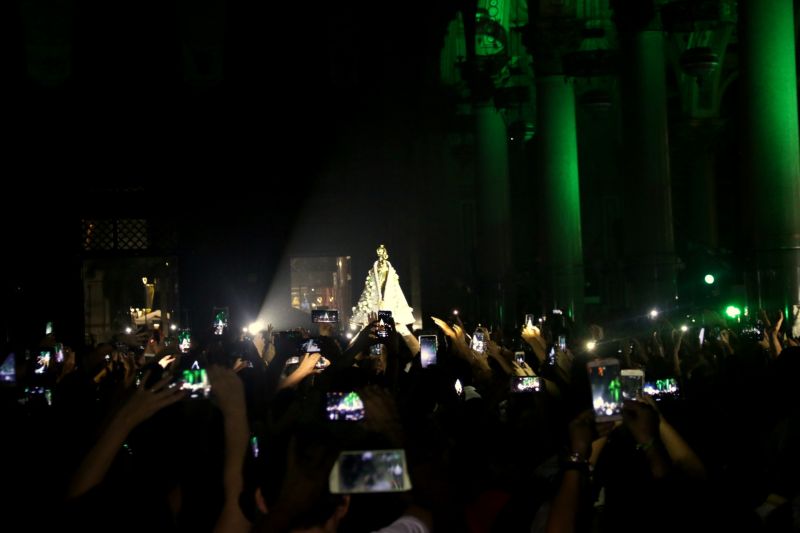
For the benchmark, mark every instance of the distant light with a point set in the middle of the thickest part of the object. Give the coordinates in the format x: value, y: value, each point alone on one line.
x: 653, y: 313
x: 144, y: 280
x: 732, y: 311
x: 590, y: 346
x: 128, y: 331
x: 348, y: 335
x: 353, y: 327
x: 174, y: 327
x: 709, y: 279
x: 455, y: 312
x: 255, y: 327
x: 684, y: 328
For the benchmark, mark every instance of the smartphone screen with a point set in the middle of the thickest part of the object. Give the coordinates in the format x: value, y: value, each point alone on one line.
x: 459, y: 388
x: 59, y: 352
x: 551, y: 356
x: 344, y: 406
x: 37, y: 393
x: 220, y: 320
x: 254, y: 449
x: 48, y: 328
x: 427, y: 350
x: 195, y: 380
x: 702, y: 336
x: 376, y: 349
x: 632, y: 384
x: 42, y: 362
x: 324, y: 316
x: 293, y: 361
x: 662, y: 388
x: 370, y: 471
x: 562, y: 342
x: 310, y: 346
x: 184, y: 340
x: 384, y: 323
x: 526, y: 384
x: 8, y: 370
x: 478, y: 341
x: 604, y: 378
x: 529, y: 322
x: 519, y: 357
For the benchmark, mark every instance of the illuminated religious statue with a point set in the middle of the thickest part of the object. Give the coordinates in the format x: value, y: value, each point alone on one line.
x: 382, y: 292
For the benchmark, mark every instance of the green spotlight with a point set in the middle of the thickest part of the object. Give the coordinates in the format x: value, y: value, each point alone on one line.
x: 709, y: 279
x: 732, y: 311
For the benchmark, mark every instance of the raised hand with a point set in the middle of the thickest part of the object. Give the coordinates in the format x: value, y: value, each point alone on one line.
x: 381, y: 414
x: 642, y: 421
x: 145, y: 402
x: 533, y: 336
x: 227, y: 389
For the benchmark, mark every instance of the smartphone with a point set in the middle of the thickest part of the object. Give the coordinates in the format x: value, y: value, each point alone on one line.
x: 427, y: 350
x: 37, y: 393
x: 632, y: 383
x: 344, y: 406
x: 384, y: 323
x: 562, y: 342
x: 48, y: 328
x: 220, y: 320
x: 662, y: 388
x: 42, y: 362
x: 526, y: 384
x: 184, y: 340
x: 519, y: 357
x: 478, y: 341
x: 195, y: 380
x: 293, y: 361
x: 369, y: 472
x: 8, y: 370
x: 254, y: 446
x: 604, y: 379
x: 529, y: 321
x: 459, y: 388
x: 376, y: 349
x: 310, y: 346
x: 324, y: 316
x: 702, y: 336
x: 59, y: 352
x: 551, y: 357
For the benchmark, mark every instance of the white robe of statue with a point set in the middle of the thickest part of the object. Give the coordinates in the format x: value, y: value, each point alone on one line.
x: 392, y: 299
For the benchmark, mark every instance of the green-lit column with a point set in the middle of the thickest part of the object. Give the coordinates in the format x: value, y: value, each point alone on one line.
x: 650, y: 246
x: 558, y: 158
x: 493, y: 209
x: 771, y: 160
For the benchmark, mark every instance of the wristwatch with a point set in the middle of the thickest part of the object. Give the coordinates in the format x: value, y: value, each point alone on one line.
x: 575, y: 461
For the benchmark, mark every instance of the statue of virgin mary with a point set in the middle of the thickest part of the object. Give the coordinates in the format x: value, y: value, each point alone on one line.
x: 382, y: 292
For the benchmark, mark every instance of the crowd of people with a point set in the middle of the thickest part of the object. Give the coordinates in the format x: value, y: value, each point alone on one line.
x: 237, y: 433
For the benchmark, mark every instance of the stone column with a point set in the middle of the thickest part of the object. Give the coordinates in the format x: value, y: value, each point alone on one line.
x: 493, y: 212
x: 771, y: 160
x: 558, y: 168
x: 650, y: 242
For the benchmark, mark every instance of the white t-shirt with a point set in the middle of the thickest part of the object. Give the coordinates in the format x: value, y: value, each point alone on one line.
x: 405, y: 524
